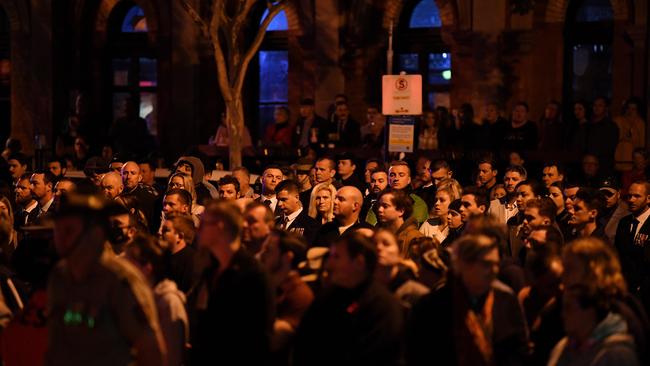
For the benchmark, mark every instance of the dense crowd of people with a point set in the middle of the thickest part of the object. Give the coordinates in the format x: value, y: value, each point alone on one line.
x: 333, y: 259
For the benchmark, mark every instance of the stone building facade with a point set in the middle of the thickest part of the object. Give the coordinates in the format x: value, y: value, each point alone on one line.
x: 498, y: 51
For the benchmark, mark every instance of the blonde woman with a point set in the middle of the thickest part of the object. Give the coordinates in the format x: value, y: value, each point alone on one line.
x: 321, y: 202
x: 7, y: 222
x: 181, y: 181
x: 436, y: 227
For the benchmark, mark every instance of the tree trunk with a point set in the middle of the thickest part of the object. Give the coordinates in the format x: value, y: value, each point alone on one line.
x: 231, y: 70
x: 235, y: 123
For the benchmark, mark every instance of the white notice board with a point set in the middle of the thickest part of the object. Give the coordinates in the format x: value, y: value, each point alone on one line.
x: 401, y: 131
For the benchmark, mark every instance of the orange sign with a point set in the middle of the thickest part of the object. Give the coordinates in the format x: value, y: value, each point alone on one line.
x: 401, y: 95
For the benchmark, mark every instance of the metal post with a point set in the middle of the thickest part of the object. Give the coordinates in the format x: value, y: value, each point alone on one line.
x: 389, y: 53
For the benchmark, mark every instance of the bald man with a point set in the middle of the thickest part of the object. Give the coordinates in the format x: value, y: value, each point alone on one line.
x: 347, y: 206
x: 136, y: 195
x: 112, y: 185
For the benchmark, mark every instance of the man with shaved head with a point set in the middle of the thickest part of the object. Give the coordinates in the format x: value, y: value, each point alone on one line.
x: 136, y: 195
x: 112, y: 185
x: 347, y: 207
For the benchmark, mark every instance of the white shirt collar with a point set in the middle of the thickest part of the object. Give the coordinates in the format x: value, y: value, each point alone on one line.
x: 47, y: 205
x: 31, y: 207
x: 273, y: 199
x: 642, y: 219
x: 291, y: 218
x: 343, y: 228
x: 270, y: 198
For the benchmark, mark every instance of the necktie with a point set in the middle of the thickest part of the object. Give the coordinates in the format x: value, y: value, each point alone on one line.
x: 635, y: 224
x: 33, y: 215
x: 267, y: 202
x: 285, y: 222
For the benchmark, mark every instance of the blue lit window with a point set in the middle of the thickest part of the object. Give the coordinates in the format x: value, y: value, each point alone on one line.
x: 279, y: 23
x: 274, y: 72
x: 595, y: 11
x: 409, y: 62
x: 134, y: 21
x: 274, y: 84
x: 425, y: 15
x: 439, y: 68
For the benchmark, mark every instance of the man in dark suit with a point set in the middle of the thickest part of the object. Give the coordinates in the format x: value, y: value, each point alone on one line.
x: 347, y: 129
x: 294, y: 218
x: 347, y: 207
x: 633, y: 241
x: 26, y: 205
x: 311, y: 129
x: 270, y: 178
x: 347, y: 170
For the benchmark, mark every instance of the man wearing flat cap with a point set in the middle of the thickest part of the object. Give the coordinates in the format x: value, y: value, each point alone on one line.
x: 100, y: 308
x: 615, y: 207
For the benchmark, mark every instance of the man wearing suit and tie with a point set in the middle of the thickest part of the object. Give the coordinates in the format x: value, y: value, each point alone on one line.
x: 294, y: 218
x: 270, y: 178
x: 633, y: 241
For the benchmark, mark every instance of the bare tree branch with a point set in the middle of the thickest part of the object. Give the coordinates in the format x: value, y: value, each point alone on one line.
x: 254, y: 47
x: 241, y: 18
x: 222, y: 72
x: 225, y: 31
x: 205, y: 30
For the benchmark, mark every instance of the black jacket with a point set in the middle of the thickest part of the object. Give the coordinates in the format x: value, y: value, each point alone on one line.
x: 634, y: 254
x: 355, y: 181
x: 304, y: 225
x: 319, y: 124
x: 350, y: 136
x: 234, y: 314
x: 360, y: 326
x: 329, y: 232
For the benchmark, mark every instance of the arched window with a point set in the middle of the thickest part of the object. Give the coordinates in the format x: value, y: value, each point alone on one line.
x: 425, y: 15
x: 135, y: 21
x: 588, y: 49
x: 279, y: 23
x: 273, y: 70
x: 133, y: 64
x: 5, y: 76
x: 420, y: 50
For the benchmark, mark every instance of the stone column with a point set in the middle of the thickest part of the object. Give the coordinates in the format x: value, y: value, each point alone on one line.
x: 329, y: 76
x: 31, y: 77
x: 622, y: 68
x: 181, y: 127
x: 22, y: 102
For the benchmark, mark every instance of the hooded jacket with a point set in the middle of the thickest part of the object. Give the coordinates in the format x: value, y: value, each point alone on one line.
x: 170, y: 303
x: 198, y: 170
x: 204, y: 190
x: 609, y: 344
x: 406, y: 233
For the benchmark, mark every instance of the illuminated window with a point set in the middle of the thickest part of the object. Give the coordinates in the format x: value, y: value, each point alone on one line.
x: 589, y: 35
x: 425, y: 15
x: 595, y: 11
x: 420, y: 50
x: 279, y: 23
x: 134, y: 21
x: 133, y: 64
x: 273, y: 71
